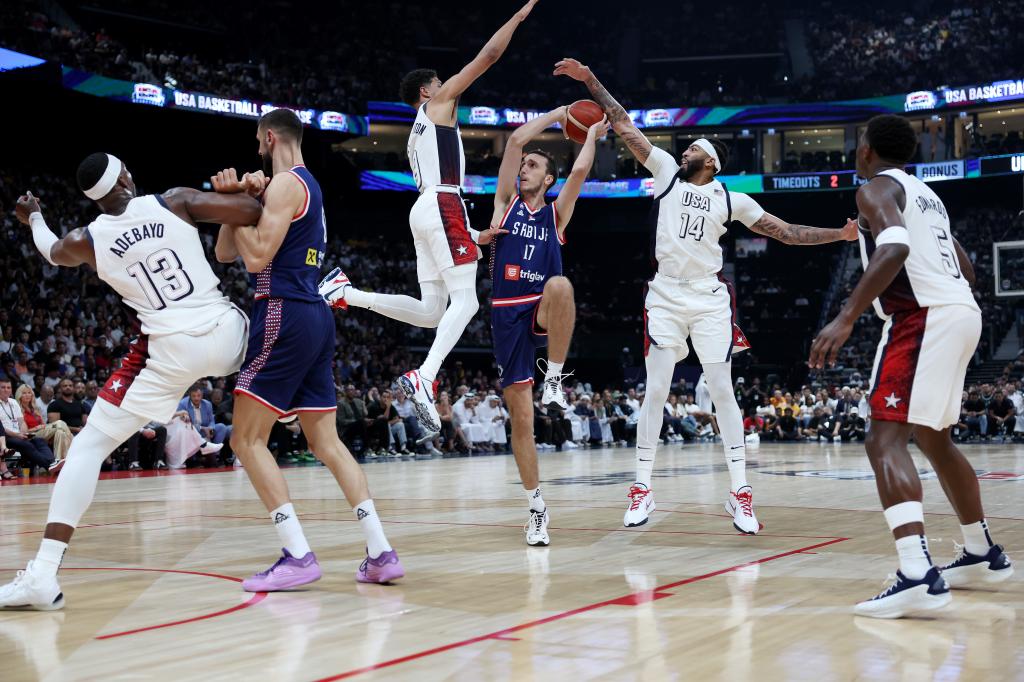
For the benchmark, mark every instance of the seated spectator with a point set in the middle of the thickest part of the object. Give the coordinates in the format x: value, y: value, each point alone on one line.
x: 853, y: 427
x: 810, y: 426
x: 1001, y: 416
x: 5, y: 473
x: 976, y: 415
x: 828, y: 427
x: 454, y: 438
x: 396, y: 425
x: 625, y: 422
x: 288, y: 443
x: 200, y: 412
x: 676, y: 419
x: 68, y: 408
x: 378, y: 433
x: 146, y: 448
x: 493, y: 417
x: 56, y: 434
x: 351, y: 419
x: 32, y: 449
x: 787, y: 428
x: 752, y: 423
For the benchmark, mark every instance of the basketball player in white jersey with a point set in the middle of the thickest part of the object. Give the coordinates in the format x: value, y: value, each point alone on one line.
x: 688, y: 296
x: 148, y: 250
x: 446, y: 251
x: 918, y: 278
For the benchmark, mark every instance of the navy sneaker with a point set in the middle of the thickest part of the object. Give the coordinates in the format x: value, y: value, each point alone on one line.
x: 906, y: 596
x: 971, y: 570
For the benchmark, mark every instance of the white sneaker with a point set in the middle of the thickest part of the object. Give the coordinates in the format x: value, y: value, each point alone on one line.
x: 420, y: 392
x: 536, y: 529
x: 210, y: 448
x: 570, y: 445
x: 134, y: 466
x: 972, y: 570
x: 906, y: 596
x: 31, y: 591
x: 752, y: 439
x: 641, y: 505
x: 332, y: 288
x: 741, y: 505
x: 554, y: 396
x: 160, y: 464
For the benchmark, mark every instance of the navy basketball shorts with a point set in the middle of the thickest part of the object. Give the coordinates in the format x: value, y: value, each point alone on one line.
x: 517, y: 336
x: 288, y: 365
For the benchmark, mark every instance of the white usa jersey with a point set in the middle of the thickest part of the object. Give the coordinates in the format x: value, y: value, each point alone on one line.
x: 155, y: 261
x: 931, y: 274
x: 435, y: 153
x: 689, y: 220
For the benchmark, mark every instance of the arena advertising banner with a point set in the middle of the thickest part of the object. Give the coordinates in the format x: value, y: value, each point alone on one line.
x: 852, y: 111
x: 169, y: 98
x: 10, y: 60
x: 752, y: 183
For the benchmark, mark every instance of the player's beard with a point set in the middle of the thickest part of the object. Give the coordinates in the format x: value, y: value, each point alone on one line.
x: 688, y: 170
x: 268, y: 164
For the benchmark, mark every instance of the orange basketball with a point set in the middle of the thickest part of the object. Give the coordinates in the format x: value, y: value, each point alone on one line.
x: 582, y: 115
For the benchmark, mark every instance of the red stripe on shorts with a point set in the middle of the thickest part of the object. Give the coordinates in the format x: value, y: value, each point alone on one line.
x: 121, y: 380
x: 894, y: 380
x: 453, y: 217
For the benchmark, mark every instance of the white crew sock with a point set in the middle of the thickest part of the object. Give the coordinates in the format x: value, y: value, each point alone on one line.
x: 51, y: 553
x: 976, y: 538
x: 376, y: 542
x: 554, y: 369
x: 914, y: 558
x: 644, y: 465
x: 536, y: 500
x: 289, y: 530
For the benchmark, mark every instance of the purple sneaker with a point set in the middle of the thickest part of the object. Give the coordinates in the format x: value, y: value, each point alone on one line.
x: 287, y: 573
x: 383, y: 569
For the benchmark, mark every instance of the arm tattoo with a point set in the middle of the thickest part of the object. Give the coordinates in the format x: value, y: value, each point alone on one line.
x: 799, y: 235
x: 616, y: 114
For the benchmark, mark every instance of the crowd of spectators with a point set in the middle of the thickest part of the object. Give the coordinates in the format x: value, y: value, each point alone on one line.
x: 332, y: 61
x: 62, y: 332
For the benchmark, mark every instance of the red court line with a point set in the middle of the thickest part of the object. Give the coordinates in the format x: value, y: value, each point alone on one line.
x: 503, y: 634
x: 112, y: 523
x: 253, y: 600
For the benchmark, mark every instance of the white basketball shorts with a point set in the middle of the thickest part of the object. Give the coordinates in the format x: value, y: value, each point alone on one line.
x: 921, y: 364
x: 702, y: 310
x: 157, y: 371
x: 440, y: 233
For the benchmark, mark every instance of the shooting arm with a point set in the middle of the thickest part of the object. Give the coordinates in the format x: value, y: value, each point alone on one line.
x: 566, y: 202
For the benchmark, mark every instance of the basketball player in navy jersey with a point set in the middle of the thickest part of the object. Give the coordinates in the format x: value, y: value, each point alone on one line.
x: 688, y: 298
x: 918, y: 278
x: 288, y: 365
x: 532, y: 303
x: 446, y: 251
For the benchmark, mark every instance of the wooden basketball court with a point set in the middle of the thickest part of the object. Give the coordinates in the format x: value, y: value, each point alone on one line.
x: 152, y: 577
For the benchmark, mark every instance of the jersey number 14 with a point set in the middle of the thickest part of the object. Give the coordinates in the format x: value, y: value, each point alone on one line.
x: 692, y: 226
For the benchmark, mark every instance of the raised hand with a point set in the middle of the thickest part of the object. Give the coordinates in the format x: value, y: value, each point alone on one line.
x: 573, y: 69
x: 601, y: 128
x: 850, y: 230
x: 26, y: 206
x: 227, y: 182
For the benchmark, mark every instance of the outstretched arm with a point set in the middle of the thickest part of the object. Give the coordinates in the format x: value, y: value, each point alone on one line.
x: 802, y: 235
x: 566, y: 202
x: 622, y: 124
x: 194, y: 206
x: 443, y: 103
x: 878, y: 203
x: 71, y: 251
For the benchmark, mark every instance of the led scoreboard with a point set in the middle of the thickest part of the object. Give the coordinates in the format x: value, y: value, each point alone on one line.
x: 806, y: 182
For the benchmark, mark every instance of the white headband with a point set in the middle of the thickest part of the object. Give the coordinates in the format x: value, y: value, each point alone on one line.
x: 107, y: 180
x: 706, y: 146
